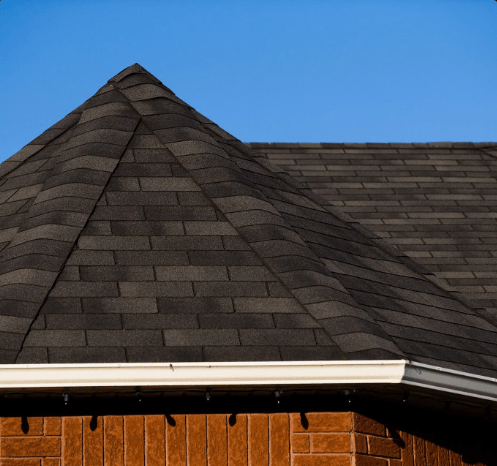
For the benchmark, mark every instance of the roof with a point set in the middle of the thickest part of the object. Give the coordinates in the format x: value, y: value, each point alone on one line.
x: 437, y: 202
x: 136, y: 230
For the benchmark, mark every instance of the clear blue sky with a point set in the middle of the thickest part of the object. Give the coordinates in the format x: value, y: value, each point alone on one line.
x: 265, y: 70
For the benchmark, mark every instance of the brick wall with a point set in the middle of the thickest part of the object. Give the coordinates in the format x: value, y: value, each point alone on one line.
x: 152, y: 440
x: 278, y: 439
x: 320, y: 439
x: 30, y: 441
x: 433, y: 443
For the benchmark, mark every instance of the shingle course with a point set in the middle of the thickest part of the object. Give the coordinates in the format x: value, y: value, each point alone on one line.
x: 175, y: 242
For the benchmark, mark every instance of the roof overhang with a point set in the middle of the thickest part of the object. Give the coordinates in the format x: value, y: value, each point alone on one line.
x: 300, y: 374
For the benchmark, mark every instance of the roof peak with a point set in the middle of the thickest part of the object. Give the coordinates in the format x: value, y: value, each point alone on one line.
x: 136, y: 68
x: 141, y: 231
x: 132, y: 69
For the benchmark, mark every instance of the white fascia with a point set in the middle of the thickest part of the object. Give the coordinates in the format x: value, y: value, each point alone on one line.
x: 310, y: 374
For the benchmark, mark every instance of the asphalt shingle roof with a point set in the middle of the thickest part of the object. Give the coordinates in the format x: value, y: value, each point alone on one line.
x: 437, y: 202
x: 137, y: 230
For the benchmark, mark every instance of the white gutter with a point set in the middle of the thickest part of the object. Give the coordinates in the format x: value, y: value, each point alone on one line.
x: 247, y: 374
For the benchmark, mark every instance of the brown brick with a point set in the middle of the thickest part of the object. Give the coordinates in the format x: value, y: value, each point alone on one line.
x: 52, y: 426
x: 395, y: 463
x: 363, y: 460
x: 360, y: 443
x: 155, y: 441
x: 379, y: 446
x: 50, y: 462
x: 134, y: 442
x: 21, y: 426
x: 455, y: 459
x: 431, y: 454
x: 323, y: 422
x: 113, y: 440
x: 443, y: 456
x: 300, y: 443
x: 419, y: 451
x: 258, y: 441
x: 368, y: 426
x: 72, y: 441
x: 20, y: 462
x: 330, y: 443
x: 93, y: 441
x: 237, y: 440
x: 279, y: 440
x: 27, y: 446
x: 175, y: 441
x: 216, y: 440
x: 407, y: 453
x: 321, y: 460
x: 196, y: 438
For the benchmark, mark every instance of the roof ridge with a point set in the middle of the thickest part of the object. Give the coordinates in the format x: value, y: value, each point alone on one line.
x: 40, y: 142
x: 364, y: 297
x: 136, y: 69
x: 184, y: 155
x: 44, y: 221
x: 218, y: 208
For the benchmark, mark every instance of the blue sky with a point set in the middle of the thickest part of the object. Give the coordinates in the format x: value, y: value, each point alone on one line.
x: 265, y: 70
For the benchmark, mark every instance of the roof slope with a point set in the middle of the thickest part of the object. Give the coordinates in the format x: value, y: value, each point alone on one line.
x: 437, y: 202
x: 137, y: 230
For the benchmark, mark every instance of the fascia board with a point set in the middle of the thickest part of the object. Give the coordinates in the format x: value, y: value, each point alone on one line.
x: 247, y: 374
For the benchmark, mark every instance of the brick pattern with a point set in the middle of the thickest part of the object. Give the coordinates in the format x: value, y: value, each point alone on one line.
x: 30, y: 441
x: 150, y: 440
x: 321, y: 439
x: 374, y: 444
x: 435, y: 202
x: 276, y: 439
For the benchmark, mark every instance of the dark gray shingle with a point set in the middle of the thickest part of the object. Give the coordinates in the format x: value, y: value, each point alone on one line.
x: 143, y: 232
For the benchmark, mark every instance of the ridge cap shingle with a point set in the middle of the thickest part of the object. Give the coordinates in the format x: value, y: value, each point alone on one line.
x: 226, y: 174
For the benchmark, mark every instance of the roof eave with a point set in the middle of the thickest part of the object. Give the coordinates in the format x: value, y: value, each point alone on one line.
x: 248, y: 374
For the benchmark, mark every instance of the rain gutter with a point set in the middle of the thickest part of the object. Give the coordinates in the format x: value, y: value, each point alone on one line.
x: 247, y: 374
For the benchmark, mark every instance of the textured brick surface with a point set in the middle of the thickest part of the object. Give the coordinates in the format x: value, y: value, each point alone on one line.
x: 134, y: 442
x: 12, y: 426
x: 175, y: 441
x: 72, y: 441
x: 279, y: 439
x: 322, y: 460
x: 386, y: 447
x: 155, y: 452
x: 258, y: 439
x: 44, y: 446
x: 93, y: 452
x: 238, y: 441
x: 331, y: 443
x: 300, y: 443
x: 247, y: 439
x: 321, y: 439
x: 216, y: 440
x: 51, y: 426
x: 113, y: 440
x: 196, y: 440
x: 366, y: 425
x: 322, y: 422
x: 362, y: 460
